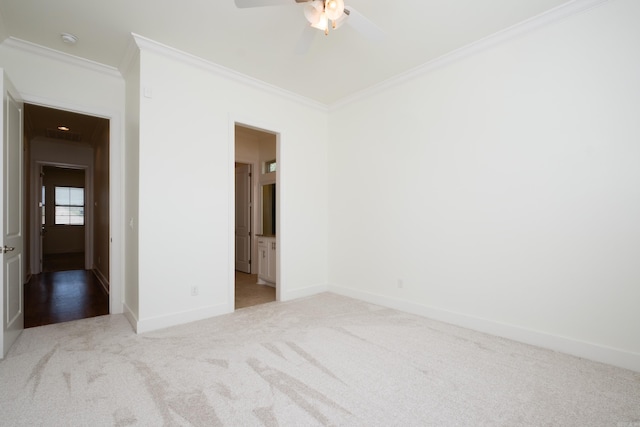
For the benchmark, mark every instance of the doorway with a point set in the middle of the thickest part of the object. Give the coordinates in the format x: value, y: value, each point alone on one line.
x: 255, y: 246
x: 63, y: 229
x: 68, y: 215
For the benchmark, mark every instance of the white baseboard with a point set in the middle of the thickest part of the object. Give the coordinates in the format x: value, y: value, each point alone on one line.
x: 131, y: 317
x: 174, y: 319
x: 304, y: 292
x: 595, y: 352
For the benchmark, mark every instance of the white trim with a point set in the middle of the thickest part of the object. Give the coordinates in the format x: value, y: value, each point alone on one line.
x: 127, y: 57
x: 131, y: 317
x: 558, y: 13
x: 219, y: 70
x: 304, y: 292
x: 35, y: 261
x: 174, y: 319
x: 570, y: 8
x: 272, y: 129
x: 280, y: 231
x: 586, y: 350
x: 74, y: 108
x: 231, y: 228
x: 73, y: 60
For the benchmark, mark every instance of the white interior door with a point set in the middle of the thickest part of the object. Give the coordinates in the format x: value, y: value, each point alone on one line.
x: 11, y: 216
x: 243, y: 218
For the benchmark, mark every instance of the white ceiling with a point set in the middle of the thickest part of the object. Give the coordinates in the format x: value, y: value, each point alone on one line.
x: 260, y: 42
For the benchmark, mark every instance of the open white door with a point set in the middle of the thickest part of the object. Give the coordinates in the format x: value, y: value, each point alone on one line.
x: 11, y: 216
x: 243, y: 218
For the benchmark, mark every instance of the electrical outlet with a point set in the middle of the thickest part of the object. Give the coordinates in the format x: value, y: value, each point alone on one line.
x: 194, y: 291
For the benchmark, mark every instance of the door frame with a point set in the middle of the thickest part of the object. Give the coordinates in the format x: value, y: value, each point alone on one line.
x: 272, y: 129
x: 35, y: 222
x: 251, y: 208
x: 116, y: 190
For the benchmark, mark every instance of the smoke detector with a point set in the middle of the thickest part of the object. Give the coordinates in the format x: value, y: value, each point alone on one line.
x: 69, y: 39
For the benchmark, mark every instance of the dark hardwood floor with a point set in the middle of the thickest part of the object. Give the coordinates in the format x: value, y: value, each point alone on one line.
x: 64, y: 291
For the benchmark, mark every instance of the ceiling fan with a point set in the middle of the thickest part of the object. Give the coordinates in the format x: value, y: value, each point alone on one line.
x: 323, y: 15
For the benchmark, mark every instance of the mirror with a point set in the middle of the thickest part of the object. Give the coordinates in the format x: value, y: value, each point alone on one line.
x: 269, y: 210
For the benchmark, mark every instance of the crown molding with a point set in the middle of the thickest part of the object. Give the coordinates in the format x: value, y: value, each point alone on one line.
x: 35, y: 49
x: 139, y: 42
x: 144, y: 43
x: 563, y: 11
x: 129, y: 54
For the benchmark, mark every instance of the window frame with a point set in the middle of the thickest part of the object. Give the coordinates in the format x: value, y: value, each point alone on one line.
x: 267, y: 166
x: 69, y: 206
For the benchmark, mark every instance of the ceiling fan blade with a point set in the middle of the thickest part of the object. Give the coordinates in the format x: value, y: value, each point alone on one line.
x: 241, y: 4
x: 363, y: 25
x: 306, y: 39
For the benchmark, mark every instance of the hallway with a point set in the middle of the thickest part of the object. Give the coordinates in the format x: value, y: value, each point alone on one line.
x: 60, y: 296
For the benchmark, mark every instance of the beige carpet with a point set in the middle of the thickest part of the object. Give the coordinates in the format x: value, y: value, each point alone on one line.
x: 323, y: 360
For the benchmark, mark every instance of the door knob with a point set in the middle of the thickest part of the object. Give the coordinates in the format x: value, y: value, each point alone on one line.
x: 6, y: 249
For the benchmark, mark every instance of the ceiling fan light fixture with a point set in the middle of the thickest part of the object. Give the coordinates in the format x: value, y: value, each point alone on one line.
x: 334, y: 9
x: 312, y: 13
x: 320, y: 12
x: 341, y: 20
x: 322, y: 24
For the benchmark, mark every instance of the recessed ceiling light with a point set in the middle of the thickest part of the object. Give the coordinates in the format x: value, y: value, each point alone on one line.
x: 63, y: 128
x: 69, y: 38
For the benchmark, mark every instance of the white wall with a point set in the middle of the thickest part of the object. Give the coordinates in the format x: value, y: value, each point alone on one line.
x: 46, y: 78
x: 186, y: 187
x: 247, y: 148
x: 131, y: 189
x: 38, y: 74
x: 502, y: 189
